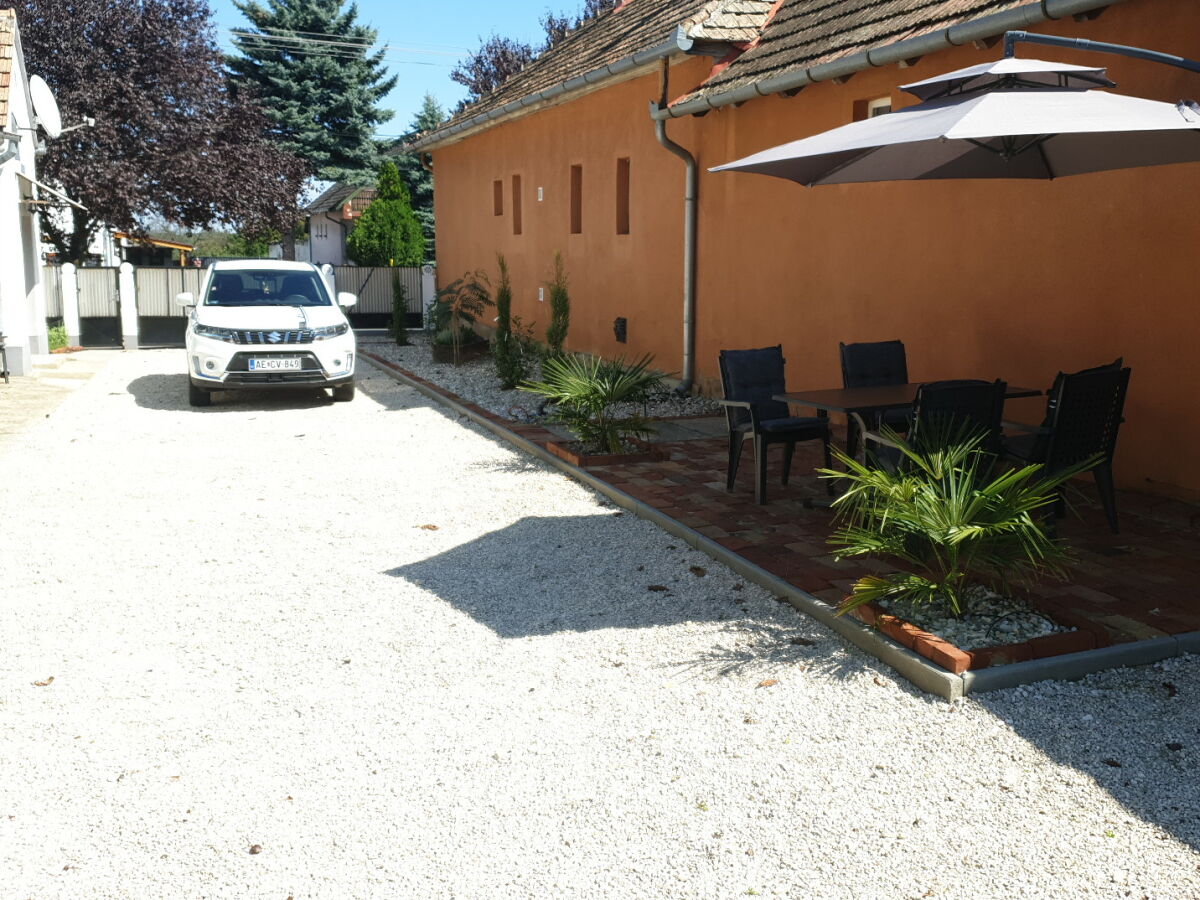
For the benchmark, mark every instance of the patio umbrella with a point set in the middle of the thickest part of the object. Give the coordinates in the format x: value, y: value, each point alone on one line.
x: 1014, y: 118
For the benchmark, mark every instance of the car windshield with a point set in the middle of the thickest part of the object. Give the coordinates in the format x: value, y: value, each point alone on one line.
x: 266, y: 288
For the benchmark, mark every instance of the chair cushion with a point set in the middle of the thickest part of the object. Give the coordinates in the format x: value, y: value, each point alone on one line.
x: 874, y: 364
x: 1027, y: 447
x: 755, y: 376
x: 798, y: 424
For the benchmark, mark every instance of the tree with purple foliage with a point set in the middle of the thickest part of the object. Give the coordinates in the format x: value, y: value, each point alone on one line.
x: 171, y: 140
x: 499, y: 58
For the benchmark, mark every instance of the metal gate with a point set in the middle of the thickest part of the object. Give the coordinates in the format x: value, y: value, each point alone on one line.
x: 161, y: 322
x: 52, y: 284
x: 99, y: 307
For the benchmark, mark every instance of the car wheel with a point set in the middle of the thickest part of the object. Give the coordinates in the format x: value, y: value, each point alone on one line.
x: 198, y: 396
x: 344, y: 393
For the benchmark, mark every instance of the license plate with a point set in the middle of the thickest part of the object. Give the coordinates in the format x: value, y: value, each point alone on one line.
x: 269, y: 364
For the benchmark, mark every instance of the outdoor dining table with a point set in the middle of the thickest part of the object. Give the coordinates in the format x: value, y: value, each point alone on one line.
x: 872, y: 399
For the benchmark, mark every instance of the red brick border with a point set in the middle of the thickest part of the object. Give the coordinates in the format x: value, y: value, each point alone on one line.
x: 955, y: 660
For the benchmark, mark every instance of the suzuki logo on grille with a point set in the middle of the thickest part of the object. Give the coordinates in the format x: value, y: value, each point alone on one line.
x: 274, y: 337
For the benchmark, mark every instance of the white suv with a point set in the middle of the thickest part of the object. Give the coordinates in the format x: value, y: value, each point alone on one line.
x: 265, y: 325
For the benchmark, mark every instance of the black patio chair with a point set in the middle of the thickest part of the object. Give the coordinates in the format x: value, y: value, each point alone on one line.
x: 874, y: 364
x: 1083, y: 415
x: 945, y: 410
x: 750, y: 379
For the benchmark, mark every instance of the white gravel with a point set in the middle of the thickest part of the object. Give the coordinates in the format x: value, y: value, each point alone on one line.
x: 476, y: 381
x: 255, y: 643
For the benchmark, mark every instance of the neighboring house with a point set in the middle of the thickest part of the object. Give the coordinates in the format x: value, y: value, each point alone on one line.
x: 22, y: 296
x: 979, y: 279
x: 146, y: 251
x: 330, y: 219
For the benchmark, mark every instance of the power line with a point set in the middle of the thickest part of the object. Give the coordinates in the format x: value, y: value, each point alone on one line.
x: 328, y: 41
x: 334, y: 53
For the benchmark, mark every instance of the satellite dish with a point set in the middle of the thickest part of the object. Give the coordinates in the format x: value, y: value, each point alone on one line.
x: 45, y: 107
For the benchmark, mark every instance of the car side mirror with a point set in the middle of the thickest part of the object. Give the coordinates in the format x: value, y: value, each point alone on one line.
x: 345, y: 299
x: 185, y: 299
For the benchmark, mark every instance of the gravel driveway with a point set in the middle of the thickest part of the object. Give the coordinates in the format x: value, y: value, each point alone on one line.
x: 304, y: 649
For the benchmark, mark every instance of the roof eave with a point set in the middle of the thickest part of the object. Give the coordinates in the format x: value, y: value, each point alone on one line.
x: 897, y: 51
x: 630, y: 66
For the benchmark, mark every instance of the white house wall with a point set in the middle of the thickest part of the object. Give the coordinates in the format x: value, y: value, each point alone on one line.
x: 327, y: 238
x: 22, y: 297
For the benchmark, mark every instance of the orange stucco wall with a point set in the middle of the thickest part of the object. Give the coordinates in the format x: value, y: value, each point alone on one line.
x: 979, y: 279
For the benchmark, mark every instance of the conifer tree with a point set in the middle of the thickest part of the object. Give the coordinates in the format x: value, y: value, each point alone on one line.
x: 417, y: 177
x: 388, y: 234
x: 309, y: 63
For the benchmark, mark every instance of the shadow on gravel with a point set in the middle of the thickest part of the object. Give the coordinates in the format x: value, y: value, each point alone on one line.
x: 763, y: 648
x: 540, y: 576
x: 169, y: 393
x: 1137, y: 738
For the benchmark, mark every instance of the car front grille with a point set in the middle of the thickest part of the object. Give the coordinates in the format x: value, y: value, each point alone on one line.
x: 304, y: 336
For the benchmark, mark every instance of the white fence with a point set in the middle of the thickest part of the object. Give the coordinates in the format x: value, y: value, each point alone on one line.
x: 373, y: 286
x: 135, y: 300
x: 157, y: 287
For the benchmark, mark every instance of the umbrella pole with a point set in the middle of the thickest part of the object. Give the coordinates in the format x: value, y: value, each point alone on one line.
x: 1012, y: 38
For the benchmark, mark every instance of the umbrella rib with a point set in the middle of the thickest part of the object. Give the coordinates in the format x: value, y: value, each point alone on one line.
x: 1041, y: 148
x: 825, y: 176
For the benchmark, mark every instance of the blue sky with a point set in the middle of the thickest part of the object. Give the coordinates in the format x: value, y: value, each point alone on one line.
x: 425, y: 41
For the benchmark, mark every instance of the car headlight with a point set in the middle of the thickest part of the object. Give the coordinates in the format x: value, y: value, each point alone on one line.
x: 330, y: 331
x: 216, y: 333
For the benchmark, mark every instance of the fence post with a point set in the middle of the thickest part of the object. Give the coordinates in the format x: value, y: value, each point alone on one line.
x: 68, y: 285
x: 428, y: 292
x: 127, y: 293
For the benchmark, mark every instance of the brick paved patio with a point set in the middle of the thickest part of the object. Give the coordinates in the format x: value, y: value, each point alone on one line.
x: 1137, y: 585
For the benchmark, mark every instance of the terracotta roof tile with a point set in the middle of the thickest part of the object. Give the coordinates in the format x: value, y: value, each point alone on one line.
x: 731, y: 20
x: 807, y: 32
x: 633, y: 26
x: 8, y: 41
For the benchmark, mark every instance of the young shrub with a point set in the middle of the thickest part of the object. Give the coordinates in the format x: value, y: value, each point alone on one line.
x: 506, y: 352
x: 398, y: 328
x: 560, y: 309
x: 586, y: 390
x: 949, y: 519
x: 459, y: 306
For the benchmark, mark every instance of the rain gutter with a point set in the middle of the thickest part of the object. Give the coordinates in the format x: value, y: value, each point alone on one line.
x: 942, y: 39
x: 678, y: 42
x: 14, y: 145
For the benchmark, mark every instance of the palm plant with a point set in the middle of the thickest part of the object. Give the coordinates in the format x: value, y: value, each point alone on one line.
x: 459, y: 306
x: 950, y: 518
x: 586, y: 390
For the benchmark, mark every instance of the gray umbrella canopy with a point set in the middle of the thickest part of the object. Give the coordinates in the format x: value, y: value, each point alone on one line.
x: 1015, y: 118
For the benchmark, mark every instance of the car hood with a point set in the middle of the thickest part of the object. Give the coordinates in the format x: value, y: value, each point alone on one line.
x: 261, y: 318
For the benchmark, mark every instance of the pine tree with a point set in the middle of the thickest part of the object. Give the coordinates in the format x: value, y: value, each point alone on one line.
x: 310, y: 64
x: 416, y: 176
x: 388, y: 233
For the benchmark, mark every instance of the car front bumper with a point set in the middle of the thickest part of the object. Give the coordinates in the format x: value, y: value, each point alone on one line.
x: 220, y: 365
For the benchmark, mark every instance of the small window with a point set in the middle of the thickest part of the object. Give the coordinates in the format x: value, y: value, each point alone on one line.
x: 623, y: 195
x: 576, y: 199
x: 497, y: 198
x: 516, y: 204
x: 878, y: 107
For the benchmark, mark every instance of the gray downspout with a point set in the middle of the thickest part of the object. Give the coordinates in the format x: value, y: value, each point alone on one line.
x: 690, y: 215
